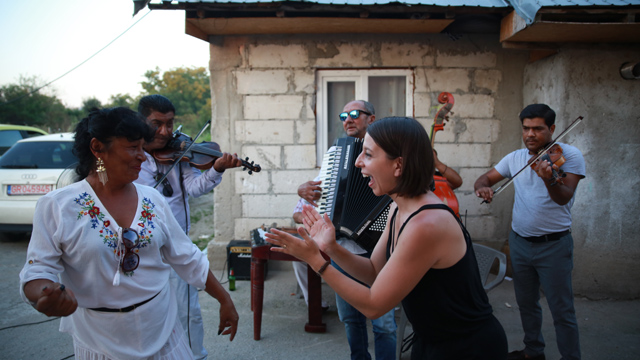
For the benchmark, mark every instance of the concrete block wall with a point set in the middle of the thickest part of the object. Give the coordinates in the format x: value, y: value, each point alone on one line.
x: 263, y: 89
x: 578, y: 82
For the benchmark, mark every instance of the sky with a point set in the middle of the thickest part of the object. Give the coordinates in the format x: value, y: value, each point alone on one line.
x: 47, y: 38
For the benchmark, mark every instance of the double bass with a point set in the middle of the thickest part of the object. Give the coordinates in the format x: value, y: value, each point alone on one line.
x: 442, y: 188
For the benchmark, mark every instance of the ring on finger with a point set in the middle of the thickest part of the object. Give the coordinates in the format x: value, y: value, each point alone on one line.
x: 284, y: 246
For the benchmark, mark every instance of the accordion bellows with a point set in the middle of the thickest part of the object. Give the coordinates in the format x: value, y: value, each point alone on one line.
x: 356, y: 212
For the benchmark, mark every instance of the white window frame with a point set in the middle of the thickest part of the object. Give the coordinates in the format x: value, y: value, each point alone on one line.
x: 361, y: 79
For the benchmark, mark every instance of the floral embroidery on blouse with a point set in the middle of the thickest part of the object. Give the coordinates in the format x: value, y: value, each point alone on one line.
x: 109, y: 237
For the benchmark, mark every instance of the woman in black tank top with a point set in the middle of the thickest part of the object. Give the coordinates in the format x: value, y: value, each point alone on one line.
x: 424, y: 257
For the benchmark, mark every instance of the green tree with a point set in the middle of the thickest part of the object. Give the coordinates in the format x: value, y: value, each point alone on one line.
x: 189, y: 91
x: 90, y: 103
x: 24, y: 104
x: 124, y: 100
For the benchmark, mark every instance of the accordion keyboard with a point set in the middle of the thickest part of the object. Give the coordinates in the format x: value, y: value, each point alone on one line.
x: 328, y: 176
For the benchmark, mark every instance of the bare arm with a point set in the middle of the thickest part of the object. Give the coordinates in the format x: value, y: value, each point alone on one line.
x: 228, y: 314
x: 433, y: 241
x: 484, y: 183
x: 561, y: 192
x: 452, y: 176
x: 51, y: 299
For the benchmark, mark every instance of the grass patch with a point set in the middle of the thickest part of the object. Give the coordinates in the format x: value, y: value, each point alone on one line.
x: 202, y: 243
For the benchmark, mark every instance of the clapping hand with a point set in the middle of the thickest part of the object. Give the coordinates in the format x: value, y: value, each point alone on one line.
x: 317, y: 234
x: 319, y: 227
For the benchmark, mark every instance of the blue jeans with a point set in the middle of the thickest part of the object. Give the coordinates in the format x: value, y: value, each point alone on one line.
x: 355, y: 324
x: 549, y: 265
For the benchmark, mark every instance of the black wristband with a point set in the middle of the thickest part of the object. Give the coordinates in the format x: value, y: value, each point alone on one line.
x: 323, y: 267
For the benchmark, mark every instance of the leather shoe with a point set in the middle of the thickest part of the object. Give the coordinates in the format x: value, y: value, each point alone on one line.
x: 519, y: 355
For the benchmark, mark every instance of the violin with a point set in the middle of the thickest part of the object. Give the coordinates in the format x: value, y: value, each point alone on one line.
x: 541, y: 154
x: 201, y: 155
x: 554, y: 156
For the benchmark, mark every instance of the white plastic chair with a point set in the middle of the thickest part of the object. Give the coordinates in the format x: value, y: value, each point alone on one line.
x: 485, y: 256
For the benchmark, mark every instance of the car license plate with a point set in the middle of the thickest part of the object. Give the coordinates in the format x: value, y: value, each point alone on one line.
x: 30, y: 189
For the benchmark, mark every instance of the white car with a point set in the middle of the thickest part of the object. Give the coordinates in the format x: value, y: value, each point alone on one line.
x: 28, y: 170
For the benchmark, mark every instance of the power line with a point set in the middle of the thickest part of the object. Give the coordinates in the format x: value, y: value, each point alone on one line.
x: 77, y: 66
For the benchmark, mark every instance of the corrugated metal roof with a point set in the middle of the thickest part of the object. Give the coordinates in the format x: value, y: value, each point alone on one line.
x: 481, y: 3
x: 527, y: 9
x: 471, y: 3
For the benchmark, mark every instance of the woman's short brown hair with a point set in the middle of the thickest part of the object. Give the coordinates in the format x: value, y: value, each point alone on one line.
x: 406, y: 138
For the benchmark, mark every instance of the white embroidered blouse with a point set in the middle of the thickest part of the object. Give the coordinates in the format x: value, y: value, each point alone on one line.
x: 74, y: 237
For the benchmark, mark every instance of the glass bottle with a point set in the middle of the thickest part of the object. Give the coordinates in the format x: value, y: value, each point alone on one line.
x: 232, y: 280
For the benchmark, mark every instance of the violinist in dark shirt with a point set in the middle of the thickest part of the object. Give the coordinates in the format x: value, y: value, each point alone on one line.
x: 540, y: 240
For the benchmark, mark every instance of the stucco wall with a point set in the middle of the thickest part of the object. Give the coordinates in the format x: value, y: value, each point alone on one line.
x: 581, y: 81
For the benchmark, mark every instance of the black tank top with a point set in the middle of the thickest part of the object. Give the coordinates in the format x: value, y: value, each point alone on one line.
x: 446, y: 303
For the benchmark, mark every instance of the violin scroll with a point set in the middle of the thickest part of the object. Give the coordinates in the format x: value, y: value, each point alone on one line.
x: 442, y: 114
x: 246, y: 165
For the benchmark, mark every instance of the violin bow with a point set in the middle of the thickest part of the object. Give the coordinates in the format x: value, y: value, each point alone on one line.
x: 175, y: 134
x: 540, y: 154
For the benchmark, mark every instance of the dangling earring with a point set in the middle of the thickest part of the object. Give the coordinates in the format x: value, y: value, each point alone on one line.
x: 102, y: 172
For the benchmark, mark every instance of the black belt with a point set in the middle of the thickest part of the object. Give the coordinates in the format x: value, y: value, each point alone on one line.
x: 548, y: 237
x: 125, y: 309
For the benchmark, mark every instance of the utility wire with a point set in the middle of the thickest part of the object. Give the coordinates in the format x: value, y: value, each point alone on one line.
x: 33, y: 323
x: 77, y: 66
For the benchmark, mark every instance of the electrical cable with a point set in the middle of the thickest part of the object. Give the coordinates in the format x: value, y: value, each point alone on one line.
x: 77, y: 66
x: 222, y: 274
x: 34, y: 323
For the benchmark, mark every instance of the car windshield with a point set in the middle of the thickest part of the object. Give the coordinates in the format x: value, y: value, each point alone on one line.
x: 39, y: 155
x: 8, y: 138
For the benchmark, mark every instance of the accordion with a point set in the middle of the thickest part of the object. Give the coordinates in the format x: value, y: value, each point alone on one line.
x: 356, y: 212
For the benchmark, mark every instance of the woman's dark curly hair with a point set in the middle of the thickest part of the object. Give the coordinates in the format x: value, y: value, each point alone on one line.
x: 104, y: 125
x: 406, y: 138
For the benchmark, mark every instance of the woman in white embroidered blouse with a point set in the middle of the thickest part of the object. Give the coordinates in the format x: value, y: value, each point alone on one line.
x: 101, y: 251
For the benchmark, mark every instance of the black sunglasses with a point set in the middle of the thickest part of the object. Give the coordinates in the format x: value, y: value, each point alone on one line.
x: 167, y: 190
x: 353, y: 113
x: 130, y: 240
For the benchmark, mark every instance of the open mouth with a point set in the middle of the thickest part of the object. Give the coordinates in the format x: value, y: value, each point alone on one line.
x: 370, y: 179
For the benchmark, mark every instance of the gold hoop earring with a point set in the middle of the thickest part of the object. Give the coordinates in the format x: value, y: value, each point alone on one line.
x: 101, y: 171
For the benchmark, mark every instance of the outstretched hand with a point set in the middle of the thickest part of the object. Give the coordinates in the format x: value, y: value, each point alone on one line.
x: 317, y: 234
x: 319, y: 227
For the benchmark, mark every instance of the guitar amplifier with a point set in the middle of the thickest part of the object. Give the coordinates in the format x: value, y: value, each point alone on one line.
x: 239, y: 259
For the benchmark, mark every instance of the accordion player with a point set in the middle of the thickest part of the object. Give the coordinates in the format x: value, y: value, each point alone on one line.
x: 356, y: 212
